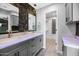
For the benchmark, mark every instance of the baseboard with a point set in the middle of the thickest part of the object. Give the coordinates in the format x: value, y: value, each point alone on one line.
x: 60, y: 52
x: 42, y: 50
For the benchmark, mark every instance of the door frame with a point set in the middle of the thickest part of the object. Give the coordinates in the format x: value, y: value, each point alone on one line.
x: 56, y: 26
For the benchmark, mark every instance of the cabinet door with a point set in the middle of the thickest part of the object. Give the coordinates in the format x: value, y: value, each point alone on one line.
x: 39, y: 42
x: 69, y: 11
x: 75, y: 11
x: 19, y: 51
x: 15, y: 53
x: 34, y: 45
x: 31, y: 47
x: 23, y: 52
x: 23, y: 49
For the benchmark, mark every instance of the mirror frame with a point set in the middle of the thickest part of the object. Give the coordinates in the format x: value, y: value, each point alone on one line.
x: 34, y: 21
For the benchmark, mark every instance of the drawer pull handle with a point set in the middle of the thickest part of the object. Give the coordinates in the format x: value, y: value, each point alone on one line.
x: 16, y: 54
x: 40, y: 40
x: 32, y: 45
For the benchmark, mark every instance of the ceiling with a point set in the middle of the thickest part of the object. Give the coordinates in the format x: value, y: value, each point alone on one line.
x: 39, y: 5
x: 51, y: 14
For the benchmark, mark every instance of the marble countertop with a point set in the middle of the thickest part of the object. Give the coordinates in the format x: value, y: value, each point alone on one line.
x: 17, y: 38
x: 71, y: 41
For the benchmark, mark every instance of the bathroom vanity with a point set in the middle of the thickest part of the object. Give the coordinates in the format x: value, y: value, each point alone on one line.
x: 15, y: 20
x: 21, y: 44
x: 71, y: 46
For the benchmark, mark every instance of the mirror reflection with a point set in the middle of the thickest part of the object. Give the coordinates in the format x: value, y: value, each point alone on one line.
x: 10, y: 19
x: 3, y: 24
x: 31, y: 22
x: 14, y: 23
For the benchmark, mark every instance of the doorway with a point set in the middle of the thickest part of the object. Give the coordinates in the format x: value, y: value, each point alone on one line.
x: 51, y: 33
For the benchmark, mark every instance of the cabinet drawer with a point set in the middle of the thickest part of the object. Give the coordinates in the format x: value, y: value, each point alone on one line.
x: 15, y: 50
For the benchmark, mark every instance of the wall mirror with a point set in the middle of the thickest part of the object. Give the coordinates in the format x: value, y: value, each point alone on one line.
x: 11, y: 22
x: 31, y: 22
x: 9, y: 18
x: 3, y: 24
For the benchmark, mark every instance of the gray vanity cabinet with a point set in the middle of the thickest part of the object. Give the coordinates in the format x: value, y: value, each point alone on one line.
x: 27, y: 48
x: 32, y: 47
x: 23, y: 52
x: 15, y: 50
x: 70, y: 51
x: 35, y: 45
x: 39, y: 42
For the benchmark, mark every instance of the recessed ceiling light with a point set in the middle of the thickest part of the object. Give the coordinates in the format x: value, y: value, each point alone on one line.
x: 35, y: 5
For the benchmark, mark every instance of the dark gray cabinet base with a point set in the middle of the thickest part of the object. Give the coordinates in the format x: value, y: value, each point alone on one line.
x: 27, y: 48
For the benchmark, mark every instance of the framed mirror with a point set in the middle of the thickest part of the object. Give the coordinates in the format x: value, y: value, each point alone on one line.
x: 31, y: 22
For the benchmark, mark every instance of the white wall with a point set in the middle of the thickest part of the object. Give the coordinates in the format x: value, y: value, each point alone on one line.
x: 63, y: 29
x: 41, y: 24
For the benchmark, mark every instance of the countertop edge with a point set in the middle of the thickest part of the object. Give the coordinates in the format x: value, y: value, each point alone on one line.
x: 2, y: 46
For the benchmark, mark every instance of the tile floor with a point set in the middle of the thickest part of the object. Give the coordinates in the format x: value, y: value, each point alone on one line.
x: 50, y: 48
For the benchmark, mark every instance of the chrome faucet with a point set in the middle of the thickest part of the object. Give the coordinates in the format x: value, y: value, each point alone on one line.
x: 9, y: 34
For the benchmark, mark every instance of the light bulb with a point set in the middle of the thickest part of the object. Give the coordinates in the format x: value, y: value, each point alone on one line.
x: 0, y: 24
